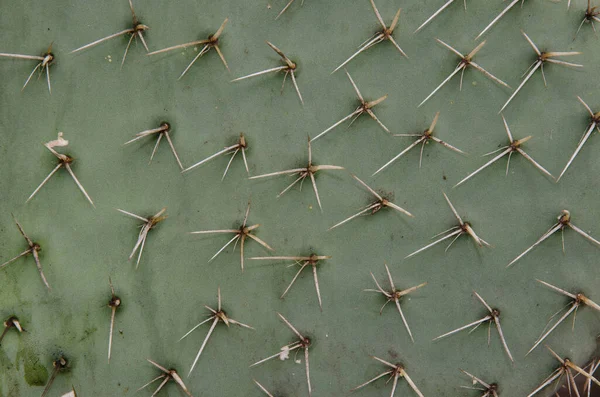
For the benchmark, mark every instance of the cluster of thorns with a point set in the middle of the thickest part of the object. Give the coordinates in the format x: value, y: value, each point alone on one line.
x: 567, y: 370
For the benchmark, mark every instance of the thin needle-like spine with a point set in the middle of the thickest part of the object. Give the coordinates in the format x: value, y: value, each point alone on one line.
x: 110, y: 334
x: 219, y: 153
x: 489, y: 26
x: 356, y: 112
x: 377, y: 39
x: 531, y: 72
x: 175, y: 47
x: 277, y: 69
x: 112, y: 36
x: 212, y: 327
x: 556, y: 227
x: 454, y: 233
x: 369, y: 208
x: 44, y: 181
x: 79, y: 185
x: 548, y: 381
x: 474, y: 323
x: 263, y: 388
x: 435, y: 14
x: 285, y: 9
x: 582, y: 142
x: 458, y: 69
x: 412, y: 145
x: 498, y: 157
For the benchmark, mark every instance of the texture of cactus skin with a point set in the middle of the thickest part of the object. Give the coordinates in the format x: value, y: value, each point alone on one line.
x: 99, y: 107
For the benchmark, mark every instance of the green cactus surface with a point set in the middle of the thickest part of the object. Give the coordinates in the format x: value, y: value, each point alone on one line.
x: 99, y: 106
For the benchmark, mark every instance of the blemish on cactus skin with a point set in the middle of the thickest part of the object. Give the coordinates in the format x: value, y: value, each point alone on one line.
x: 35, y: 373
x: 285, y: 353
x: 87, y: 333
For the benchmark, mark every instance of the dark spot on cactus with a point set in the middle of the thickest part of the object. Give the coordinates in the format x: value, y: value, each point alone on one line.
x: 114, y: 302
x: 60, y: 363
x: 306, y: 342
x: 35, y: 373
x: 87, y: 333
